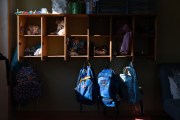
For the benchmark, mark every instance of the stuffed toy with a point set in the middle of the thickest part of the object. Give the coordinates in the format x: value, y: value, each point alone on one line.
x: 33, y: 30
x: 60, y: 27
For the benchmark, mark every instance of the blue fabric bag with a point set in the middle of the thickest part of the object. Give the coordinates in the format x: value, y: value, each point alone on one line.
x: 86, y: 89
x: 130, y: 89
x: 108, y: 87
x: 28, y: 85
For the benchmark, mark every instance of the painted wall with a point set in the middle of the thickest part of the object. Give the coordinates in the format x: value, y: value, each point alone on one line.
x: 59, y: 77
x: 169, y: 27
x: 4, y: 51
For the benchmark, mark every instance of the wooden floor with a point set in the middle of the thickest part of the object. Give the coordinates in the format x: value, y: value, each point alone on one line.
x: 85, y: 116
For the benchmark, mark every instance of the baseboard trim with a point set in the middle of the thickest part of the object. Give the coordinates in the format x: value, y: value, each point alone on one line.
x: 85, y: 113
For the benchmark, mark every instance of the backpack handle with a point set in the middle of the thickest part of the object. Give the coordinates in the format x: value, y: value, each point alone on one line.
x: 128, y: 68
x: 131, y: 64
x: 86, y: 63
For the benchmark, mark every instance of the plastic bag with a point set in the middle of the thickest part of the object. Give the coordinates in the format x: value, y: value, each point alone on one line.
x: 59, y: 6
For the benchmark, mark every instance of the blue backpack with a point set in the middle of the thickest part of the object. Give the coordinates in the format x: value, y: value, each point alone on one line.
x: 28, y: 85
x: 130, y: 88
x: 86, y: 89
x: 108, y: 86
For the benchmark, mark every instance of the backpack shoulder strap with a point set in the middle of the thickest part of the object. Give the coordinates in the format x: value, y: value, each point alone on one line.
x: 90, y: 72
x: 80, y: 76
x: 132, y: 71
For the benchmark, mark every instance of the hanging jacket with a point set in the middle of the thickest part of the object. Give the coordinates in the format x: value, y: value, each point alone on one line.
x: 126, y: 40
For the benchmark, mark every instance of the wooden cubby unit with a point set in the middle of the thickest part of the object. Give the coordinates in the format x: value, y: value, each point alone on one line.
x: 100, y: 36
x: 78, y: 32
x: 94, y: 31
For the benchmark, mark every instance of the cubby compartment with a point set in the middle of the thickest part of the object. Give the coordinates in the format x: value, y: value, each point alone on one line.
x: 122, y: 33
x: 100, y: 36
x: 99, y: 25
x: 29, y: 36
x: 77, y: 25
x: 29, y: 25
x: 144, y: 46
x: 119, y: 22
x: 77, y: 46
x: 100, y: 46
x: 29, y: 46
x: 145, y: 25
x: 55, y: 25
x: 54, y: 46
x: 116, y: 44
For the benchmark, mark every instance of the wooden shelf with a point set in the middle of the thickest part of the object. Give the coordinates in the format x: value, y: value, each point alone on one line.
x: 102, y: 56
x: 124, y: 56
x: 31, y: 35
x: 31, y: 56
x: 78, y: 35
x: 93, y: 31
x: 79, y: 56
x: 55, y: 35
x: 56, y: 56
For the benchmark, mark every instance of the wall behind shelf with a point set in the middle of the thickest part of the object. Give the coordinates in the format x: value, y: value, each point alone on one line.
x: 32, y: 5
x: 57, y: 85
x: 168, y: 32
